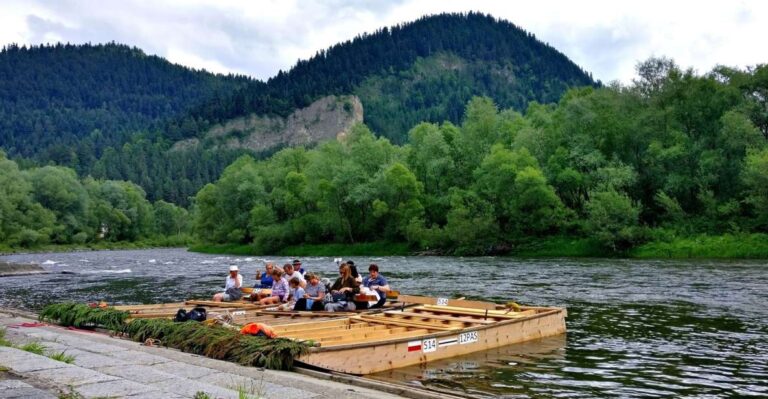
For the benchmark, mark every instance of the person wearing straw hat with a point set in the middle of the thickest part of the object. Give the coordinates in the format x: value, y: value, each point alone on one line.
x: 232, y: 287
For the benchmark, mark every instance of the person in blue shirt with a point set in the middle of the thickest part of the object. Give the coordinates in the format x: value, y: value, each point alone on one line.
x: 378, y: 283
x: 264, y: 280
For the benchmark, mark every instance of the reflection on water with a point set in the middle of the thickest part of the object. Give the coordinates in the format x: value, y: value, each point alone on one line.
x: 481, y: 374
x: 635, y: 328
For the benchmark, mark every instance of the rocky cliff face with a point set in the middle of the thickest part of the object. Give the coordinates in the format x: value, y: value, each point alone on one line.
x: 326, y: 118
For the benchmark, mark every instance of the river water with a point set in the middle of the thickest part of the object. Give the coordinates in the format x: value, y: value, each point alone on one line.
x: 635, y: 328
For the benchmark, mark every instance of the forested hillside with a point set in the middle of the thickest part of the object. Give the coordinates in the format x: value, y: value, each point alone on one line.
x: 673, y: 155
x: 424, y: 70
x: 112, y: 112
x: 60, y: 102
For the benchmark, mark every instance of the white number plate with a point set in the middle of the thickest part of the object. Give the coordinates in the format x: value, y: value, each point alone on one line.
x: 238, y: 313
x: 442, y: 301
x: 467, y: 337
x: 429, y: 345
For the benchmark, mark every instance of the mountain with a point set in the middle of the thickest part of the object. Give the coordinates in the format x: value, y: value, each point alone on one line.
x: 426, y: 70
x: 111, y: 111
x: 57, y: 98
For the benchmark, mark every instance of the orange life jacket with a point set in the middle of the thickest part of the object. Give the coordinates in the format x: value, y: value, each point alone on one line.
x: 256, y: 328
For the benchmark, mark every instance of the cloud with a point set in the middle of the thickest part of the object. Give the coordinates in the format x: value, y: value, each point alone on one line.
x: 259, y: 38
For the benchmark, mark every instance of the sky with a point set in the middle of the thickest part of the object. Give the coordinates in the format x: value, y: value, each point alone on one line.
x: 260, y: 37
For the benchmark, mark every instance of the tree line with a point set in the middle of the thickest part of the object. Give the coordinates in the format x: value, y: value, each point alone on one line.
x: 51, y: 205
x: 673, y: 153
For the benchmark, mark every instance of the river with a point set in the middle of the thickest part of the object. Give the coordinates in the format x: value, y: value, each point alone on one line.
x: 635, y: 328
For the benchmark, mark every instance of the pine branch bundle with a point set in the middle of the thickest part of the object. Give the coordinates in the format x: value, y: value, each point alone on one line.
x: 83, y: 316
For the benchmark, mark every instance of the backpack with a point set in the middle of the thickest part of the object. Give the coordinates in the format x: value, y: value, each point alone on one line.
x: 181, y: 316
x: 197, y: 314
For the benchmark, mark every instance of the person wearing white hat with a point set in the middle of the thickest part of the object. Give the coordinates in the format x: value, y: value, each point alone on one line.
x: 232, y: 291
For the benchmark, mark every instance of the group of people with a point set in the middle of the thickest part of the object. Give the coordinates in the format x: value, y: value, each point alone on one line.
x: 291, y: 288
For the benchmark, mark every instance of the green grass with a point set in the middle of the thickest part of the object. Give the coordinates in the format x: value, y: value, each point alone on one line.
x: 230, y: 249
x: 156, y: 242
x: 560, y: 246
x: 33, y: 347
x: 727, y: 246
x: 360, y: 249
x: 201, y: 395
x: 3, y: 341
x: 62, y: 357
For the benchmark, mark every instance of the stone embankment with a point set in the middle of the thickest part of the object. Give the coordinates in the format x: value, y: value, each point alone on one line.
x: 105, y: 366
x: 20, y: 269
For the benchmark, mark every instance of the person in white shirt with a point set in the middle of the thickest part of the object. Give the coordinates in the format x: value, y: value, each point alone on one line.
x: 232, y: 287
x: 290, y: 274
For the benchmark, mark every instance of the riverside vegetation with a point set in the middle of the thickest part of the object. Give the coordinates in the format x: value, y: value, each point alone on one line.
x: 675, y: 164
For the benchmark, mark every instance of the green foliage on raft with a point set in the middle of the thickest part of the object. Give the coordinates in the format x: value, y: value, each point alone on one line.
x: 79, y: 315
x: 219, y: 342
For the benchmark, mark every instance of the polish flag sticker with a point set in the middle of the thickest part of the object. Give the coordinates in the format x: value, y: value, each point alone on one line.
x: 414, y: 346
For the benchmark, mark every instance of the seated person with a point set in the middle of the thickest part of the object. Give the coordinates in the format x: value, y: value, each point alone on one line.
x: 232, y: 287
x: 313, y: 296
x: 279, y: 289
x: 263, y: 281
x: 353, y: 270
x: 378, y: 283
x: 343, y: 291
x: 297, y: 267
x: 294, y: 293
x: 290, y: 274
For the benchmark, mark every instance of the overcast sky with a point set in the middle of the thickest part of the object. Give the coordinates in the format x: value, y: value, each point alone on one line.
x: 258, y: 38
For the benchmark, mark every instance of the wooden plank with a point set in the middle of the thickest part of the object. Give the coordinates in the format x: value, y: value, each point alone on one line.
x: 235, y: 304
x: 330, y: 331
x: 473, y: 312
x: 317, y: 335
x: 130, y: 308
x: 425, y: 300
x: 313, y: 324
x: 436, y: 317
x: 368, y: 336
x: 334, y: 328
x: 407, y: 323
x: 373, y: 341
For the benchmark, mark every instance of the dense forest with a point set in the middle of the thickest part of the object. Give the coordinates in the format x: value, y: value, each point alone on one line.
x: 112, y: 112
x: 673, y: 154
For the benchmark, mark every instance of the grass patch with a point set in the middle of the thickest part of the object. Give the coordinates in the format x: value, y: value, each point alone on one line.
x: 3, y: 341
x: 62, y: 357
x: 560, y: 246
x: 201, y: 395
x: 229, y: 249
x: 33, y: 347
x: 360, y: 249
x: 733, y: 246
x: 156, y: 242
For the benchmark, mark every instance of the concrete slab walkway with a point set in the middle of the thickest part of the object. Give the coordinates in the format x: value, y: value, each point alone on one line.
x: 106, y: 367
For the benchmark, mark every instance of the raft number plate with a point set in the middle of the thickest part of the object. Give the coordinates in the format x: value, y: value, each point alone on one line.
x: 442, y: 301
x: 467, y: 337
x: 429, y: 345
